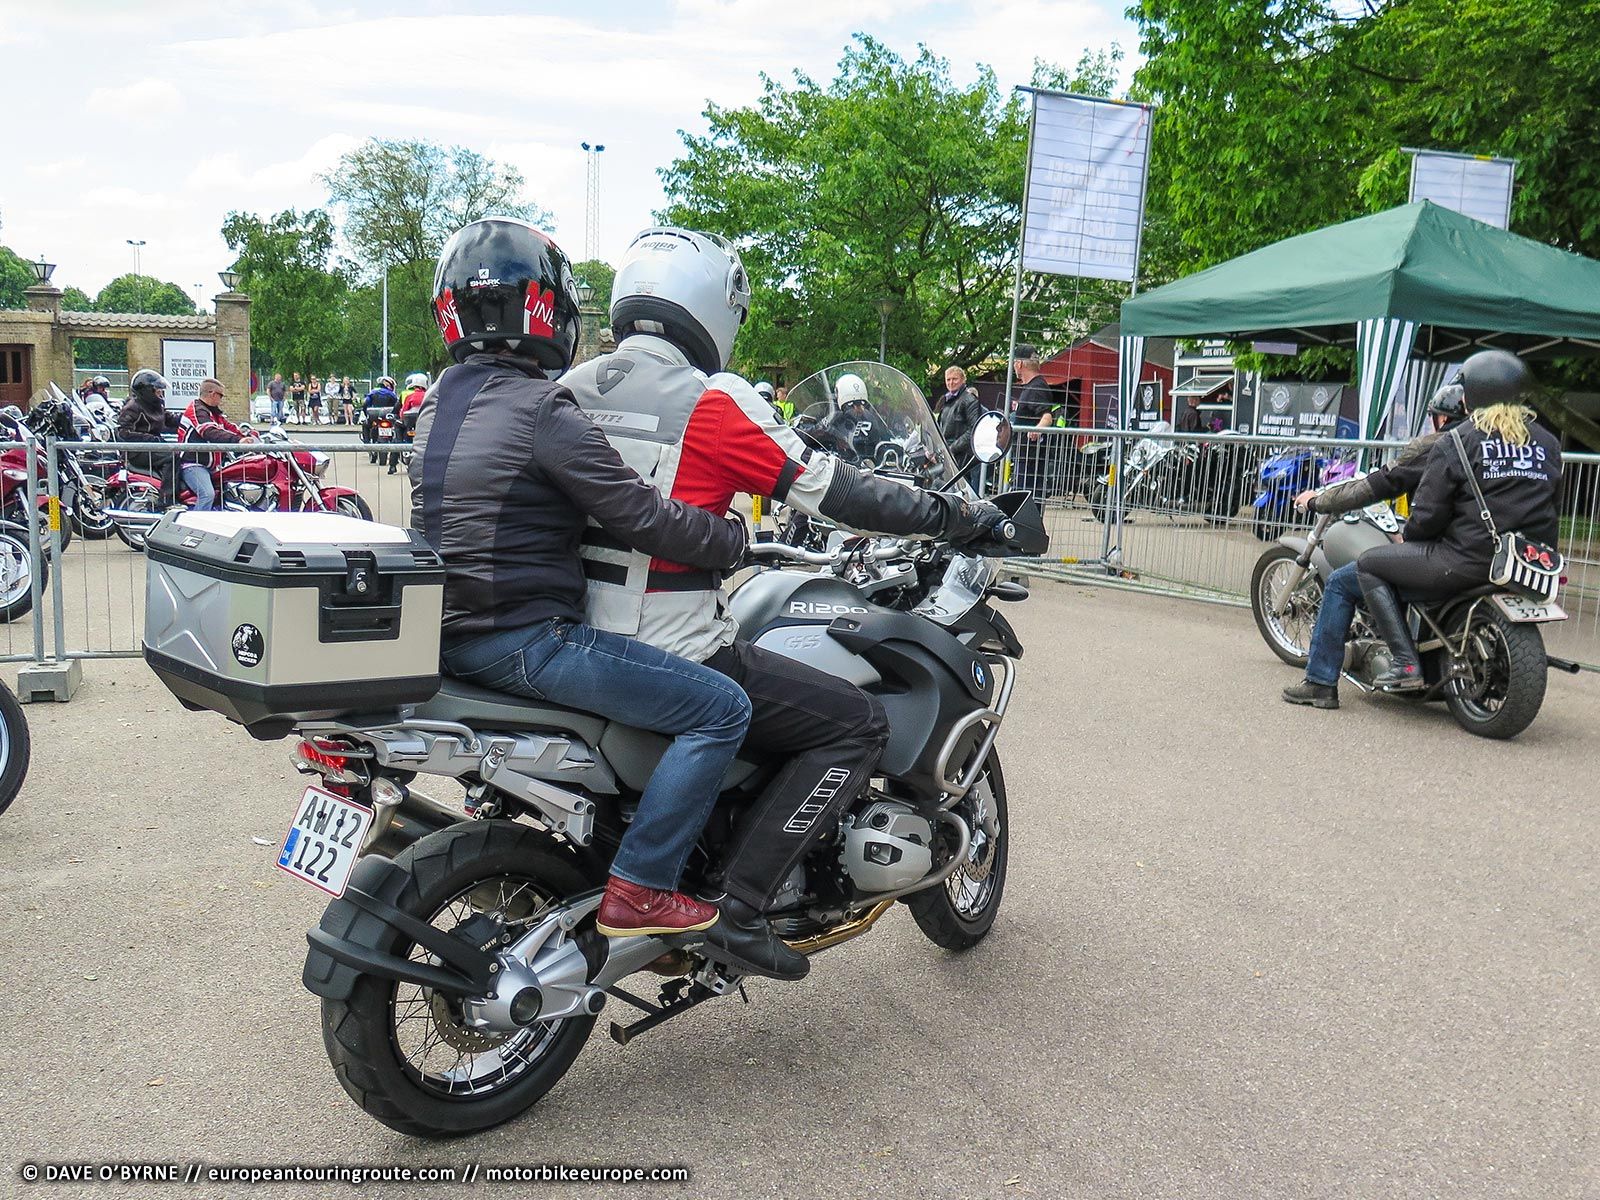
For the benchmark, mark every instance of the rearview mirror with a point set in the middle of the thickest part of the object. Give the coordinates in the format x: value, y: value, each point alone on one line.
x: 991, y: 437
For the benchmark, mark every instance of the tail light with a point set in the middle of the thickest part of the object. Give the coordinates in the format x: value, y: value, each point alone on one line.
x: 331, y: 759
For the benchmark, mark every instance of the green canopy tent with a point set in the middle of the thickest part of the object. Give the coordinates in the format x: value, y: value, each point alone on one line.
x: 1415, y: 280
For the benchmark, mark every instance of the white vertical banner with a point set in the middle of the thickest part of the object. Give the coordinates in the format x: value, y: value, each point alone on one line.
x: 1383, y: 345
x: 1085, y: 193
x: 1130, y: 363
x: 1476, y: 186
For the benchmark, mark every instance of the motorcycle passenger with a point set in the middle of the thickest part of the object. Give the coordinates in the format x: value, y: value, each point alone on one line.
x: 144, y: 418
x: 507, y: 469
x: 204, y: 421
x: 701, y: 434
x: 410, y: 406
x: 1447, y: 548
x: 1342, y: 592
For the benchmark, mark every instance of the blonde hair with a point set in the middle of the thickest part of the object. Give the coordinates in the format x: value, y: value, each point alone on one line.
x: 1508, y: 422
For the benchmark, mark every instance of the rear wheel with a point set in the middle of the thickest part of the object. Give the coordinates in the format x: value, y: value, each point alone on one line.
x: 402, y: 1052
x: 1501, y: 677
x: 1099, y: 498
x: 1286, y: 632
x: 959, y: 913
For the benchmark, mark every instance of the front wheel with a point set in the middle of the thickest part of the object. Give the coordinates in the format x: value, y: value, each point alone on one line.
x: 1501, y: 676
x: 403, y: 1052
x: 89, y: 518
x: 1285, y: 627
x: 352, y: 506
x: 16, y: 572
x: 1099, y: 498
x: 959, y: 913
x: 14, y: 747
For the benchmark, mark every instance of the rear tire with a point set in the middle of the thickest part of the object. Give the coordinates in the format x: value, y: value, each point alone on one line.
x: 1509, y: 673
x: 360, y: 1034
x: 959, y: 913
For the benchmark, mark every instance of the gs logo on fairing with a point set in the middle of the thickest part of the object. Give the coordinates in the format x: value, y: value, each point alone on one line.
x: 979, y: 675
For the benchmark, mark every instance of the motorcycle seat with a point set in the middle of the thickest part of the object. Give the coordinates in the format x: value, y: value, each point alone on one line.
x: 632, y: 753
x: 1486, y: 589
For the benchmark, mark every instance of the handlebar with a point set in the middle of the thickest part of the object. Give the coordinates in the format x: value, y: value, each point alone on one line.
x: 827, y: 558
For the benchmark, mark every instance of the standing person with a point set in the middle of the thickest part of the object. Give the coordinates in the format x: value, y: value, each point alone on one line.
x: 314, y: 400
x: 1035, y: 407
x: 203, y: 421
x: 275, y: 391
x: 507, y: 474
x: 1320, y: 688
x: 297, y: 397
x: 959, y: 410
x: 349, y: 391
x: 699, y: 433
x: 1190, y: 421
x: 335, y: 397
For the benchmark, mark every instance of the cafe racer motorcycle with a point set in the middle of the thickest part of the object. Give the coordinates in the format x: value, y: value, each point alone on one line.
x: 461, y: 977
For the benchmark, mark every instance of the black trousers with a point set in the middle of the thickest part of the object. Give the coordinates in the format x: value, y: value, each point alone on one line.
x: 1420, y: 570
x: 833, y: 734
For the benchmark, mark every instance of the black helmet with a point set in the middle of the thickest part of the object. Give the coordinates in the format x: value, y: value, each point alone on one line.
x: 502, y: 283
x: 1448, y: 401
x: 100, y: 381
x: 1494, y: 377
x: 145, y: 385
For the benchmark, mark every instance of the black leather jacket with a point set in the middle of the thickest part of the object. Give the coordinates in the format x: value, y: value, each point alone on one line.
x: 1399, y: 478
x: 1520, y: 483
x: 506, y: 473
x: 958, y: 415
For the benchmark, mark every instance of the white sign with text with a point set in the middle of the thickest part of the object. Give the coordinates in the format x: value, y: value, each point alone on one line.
x: 1086, y: 181
x: 1479, y: 188
x: 186, y: 364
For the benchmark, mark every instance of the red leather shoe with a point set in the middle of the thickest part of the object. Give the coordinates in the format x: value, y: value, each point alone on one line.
x: 629, y: 910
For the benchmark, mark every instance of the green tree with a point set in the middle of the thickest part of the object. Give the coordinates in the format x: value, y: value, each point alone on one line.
x: 297, y: 317
x: 76, y: 300
x: 598, y: 275
x: 399, y: 201
x: 143, y: 294
x: 16, y: 277
x: 891, y: 183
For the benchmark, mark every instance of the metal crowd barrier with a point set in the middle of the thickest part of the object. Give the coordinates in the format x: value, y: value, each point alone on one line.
x: 1177, y: 514
x: 92, y: 604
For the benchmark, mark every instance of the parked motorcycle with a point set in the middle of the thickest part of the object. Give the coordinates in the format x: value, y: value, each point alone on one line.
x: 244, y: 483
x: 1284, y: 476
x: 79, y: 467
x: 461, y: 978
x: 1482, y: 652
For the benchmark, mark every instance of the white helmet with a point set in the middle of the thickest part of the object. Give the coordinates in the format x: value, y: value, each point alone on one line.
x: 766, y: 391
x: 850, y: 389
x: 417, y: 379
x: 687, y: 287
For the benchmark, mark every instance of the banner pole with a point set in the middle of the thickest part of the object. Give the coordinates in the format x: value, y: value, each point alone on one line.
x: 1022, y: 238
x: 1107, y: 547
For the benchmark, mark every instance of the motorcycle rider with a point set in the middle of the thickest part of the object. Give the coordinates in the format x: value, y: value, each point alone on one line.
x: 204, y: 421
x: 701, y: 434
x: 144, y: 418
x: 1320, y: 688
x: 1447, y: 547
x: 505, y: 471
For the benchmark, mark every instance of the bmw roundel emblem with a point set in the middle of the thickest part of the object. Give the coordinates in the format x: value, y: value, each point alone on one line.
x: 979, y: 675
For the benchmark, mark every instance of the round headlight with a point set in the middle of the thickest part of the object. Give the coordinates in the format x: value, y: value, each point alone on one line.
x: 319, y: 464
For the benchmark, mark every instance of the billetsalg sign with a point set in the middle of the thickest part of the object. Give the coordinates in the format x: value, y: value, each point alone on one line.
x: 1300, y: 409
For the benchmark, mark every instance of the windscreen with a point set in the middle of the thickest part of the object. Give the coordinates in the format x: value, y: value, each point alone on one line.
x: 874, y: 416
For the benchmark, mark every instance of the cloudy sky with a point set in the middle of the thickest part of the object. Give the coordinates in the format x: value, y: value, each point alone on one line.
x: 151, y: 119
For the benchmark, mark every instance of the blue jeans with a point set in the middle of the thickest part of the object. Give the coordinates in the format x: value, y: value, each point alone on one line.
x: 198, y: 480
x: 277, y: 411
x: 1339, y: 596
x: 578, y: 666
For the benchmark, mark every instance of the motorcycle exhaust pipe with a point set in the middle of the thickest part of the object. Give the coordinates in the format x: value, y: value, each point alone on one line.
x: 1563, y: 664
x: 133, y: 518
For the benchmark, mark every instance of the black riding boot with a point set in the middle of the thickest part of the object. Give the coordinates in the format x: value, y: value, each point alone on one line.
x: 1383, y: 606
x: 744, y: 940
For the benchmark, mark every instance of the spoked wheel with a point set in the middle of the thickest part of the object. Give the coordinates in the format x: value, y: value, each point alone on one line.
x: 16, y: 572
x: 1288, y: 632
x: 14, y: 747
x: 960, y: 912
x: 88, y: 510
x: 403, y: 1052
x: 1500, y: 676
x: 1099, y: 498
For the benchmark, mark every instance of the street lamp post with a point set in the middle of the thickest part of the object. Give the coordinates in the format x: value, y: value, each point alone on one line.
x: 591, y: 233
x: 137, y: 244
x: 886, y: 305
x: 385, y: 370
x: 42, y: 270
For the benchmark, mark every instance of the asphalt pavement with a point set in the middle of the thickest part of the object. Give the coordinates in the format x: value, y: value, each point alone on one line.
x: 1246, y: 950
